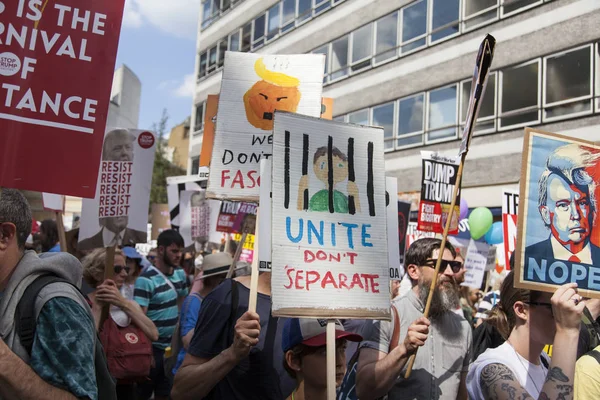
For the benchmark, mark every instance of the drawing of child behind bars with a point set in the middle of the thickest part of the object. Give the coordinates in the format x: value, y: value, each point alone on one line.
x: 320, y: 200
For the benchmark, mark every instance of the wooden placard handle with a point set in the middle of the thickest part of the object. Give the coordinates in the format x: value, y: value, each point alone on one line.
x: 109, y: 265
x: 331, y: 359
x: 252, y: 300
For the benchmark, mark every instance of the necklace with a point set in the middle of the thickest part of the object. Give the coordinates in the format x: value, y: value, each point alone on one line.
x: 526, y: 369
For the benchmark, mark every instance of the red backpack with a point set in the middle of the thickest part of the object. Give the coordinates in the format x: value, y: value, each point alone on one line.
x: 128, y: 351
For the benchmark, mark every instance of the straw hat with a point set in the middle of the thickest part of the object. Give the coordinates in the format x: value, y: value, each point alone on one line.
x: 215, y: 264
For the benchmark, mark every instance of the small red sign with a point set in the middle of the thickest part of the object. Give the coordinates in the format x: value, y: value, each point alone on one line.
x: 146, y: 140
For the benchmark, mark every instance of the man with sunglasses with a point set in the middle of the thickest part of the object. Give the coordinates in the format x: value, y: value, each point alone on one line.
x: 444, y: 339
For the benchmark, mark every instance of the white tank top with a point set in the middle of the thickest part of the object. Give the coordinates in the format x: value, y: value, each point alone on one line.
x: 530, y: 376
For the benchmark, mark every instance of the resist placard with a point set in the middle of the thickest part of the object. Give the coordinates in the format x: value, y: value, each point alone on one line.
x: 329, y: 255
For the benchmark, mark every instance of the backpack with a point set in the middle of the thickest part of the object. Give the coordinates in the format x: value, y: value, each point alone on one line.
x: 26, y: 325
x: 176, y: 345
x: 128, y: 351
x: 348, y: 387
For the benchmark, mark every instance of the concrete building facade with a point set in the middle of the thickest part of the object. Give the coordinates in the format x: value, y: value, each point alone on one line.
x: 177, y: 148
x: 407, y: 65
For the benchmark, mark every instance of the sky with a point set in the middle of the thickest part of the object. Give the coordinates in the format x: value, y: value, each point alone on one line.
x: 158, y: 42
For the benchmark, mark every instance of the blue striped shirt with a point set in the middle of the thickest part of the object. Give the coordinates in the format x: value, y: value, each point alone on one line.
x: 153, y: 291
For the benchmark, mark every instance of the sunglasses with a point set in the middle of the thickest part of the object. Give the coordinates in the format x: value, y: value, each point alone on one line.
x: 119, y: 268
x: 150, y: 258
x: 456, y: 266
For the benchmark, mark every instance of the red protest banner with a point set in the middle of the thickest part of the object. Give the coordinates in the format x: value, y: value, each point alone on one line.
x: 510, y: 205
x: 56, y: 67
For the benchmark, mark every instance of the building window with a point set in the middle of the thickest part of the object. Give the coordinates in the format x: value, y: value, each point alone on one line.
x: 339, y: 58
x: 203, y: 65
x: 512, y: 6
x: 477, y: 12
x: 199, y: 118
x: 444, y: 19
x: 234, y: 41
x: 247, y: 37
x: 383, y: 116
x: 441, y: 118
x: 304, y: 10
x: 414, y: 26
x: 222, y: 50
x: 195, y: 165
x: 411, y: 119
x: 274, y: 16
x: 206, y: 15
x: 362, y: 40
x: 568, y: 83
x: 386, y: 37
x: 324, y: 50
x: 258, y: 37
x: 360, y: 117
x: 321, y: 5
x: 225, y: 4
x: 519, y: 95
x: 486, y: 120
x: 288, y: 14
x: 212, y: 60
x: 340, y: 118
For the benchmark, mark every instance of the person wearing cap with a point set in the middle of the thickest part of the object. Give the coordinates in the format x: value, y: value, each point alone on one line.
x: 208, y: 275
x: 304, y: 344
x: 133, y: 260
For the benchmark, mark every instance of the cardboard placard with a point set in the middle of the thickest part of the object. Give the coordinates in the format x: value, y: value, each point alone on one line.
x: 510, y: 206
x: 439, y: 178
x: 329, y: 255
x: 48, y: 103
x: 160, y: 219
x: 480, y: 257
x: 53, y: 202
x: 252, y: 88
x: 198, y: 218
x: 118, y: 214
x: 247, y: 254
x: 413, y: 234
x: 245, y: 218
x: 264, y: 222
x: 391, y: 186
x: 403, y: 221
x: 175, y: 186
x: 558, y: 225
x: 227, y: 215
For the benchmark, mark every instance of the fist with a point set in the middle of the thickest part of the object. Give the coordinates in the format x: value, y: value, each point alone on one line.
x: 416, y: 335
x: 247, y: 331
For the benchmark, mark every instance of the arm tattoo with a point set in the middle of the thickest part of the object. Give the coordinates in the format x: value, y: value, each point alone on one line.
x: 556, y: 374
x: 563, y: 391
x: 498, y: 382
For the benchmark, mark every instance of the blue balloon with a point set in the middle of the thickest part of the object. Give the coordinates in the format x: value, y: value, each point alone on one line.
x: 495, y: 235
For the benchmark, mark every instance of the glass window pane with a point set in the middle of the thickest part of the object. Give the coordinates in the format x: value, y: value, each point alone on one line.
x: 339, y: 58
x: 387, y: 37
x: 514, y: 5
x: 520, y: 87
x: 475, y: 6
x: 304, y: 9
x: 222, y: 50
x: 410, y: 115
x: 206, y: 13
x: 359, y: 117
x: 246, y: 37
x: 384, y: 116
x: 273, y: 29
x: 234, y: 41
x: 568, y: 76
x: 442, y: 112
x: 361, y: 43
x: 289, y: 11
x: 259, y: 28
x: 216, y: 7
x: 340, y: 118
x: 322, y: 5
x: 487, y: 105
x: 414, y: 24
x: 225, y: 4
x: 195, y: 165
x: 203, y: 62
x: 410, y: 140
x: 324, y: 50
x: 445, y: 12
x: 212, y: 59
x: 199, y: 120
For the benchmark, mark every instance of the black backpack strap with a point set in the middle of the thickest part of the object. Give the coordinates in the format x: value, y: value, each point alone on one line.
x: 595, y: 354
x: 25, y: 319
x: 235, y: 301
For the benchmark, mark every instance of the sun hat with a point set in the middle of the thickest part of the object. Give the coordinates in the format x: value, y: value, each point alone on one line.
x: 215, y: 264
x: 312, y: 332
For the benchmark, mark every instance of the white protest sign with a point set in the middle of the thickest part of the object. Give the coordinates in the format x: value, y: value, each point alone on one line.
x: 264, y: 222
x: 329, y: 256
x: 176, y: 185
x: 118, y: 214
x: 252, y: 88
x: 198, y: 218
x: 396, y: 270
x: 480, y: 257
x: 53, y: 202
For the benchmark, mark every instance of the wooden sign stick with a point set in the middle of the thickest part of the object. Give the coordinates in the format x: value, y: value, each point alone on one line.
x: 254, y: 274
x: 330, y: 359
x: 238, y: 253
x: 109, y: 265
x: 62, y: 237
x: 482, y: 68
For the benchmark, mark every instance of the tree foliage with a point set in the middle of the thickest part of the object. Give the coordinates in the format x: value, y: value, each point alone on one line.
x: 163, y: 168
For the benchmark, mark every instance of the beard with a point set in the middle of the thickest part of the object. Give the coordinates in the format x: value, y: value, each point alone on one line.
x: 445, y: 297
x: 170, y: 266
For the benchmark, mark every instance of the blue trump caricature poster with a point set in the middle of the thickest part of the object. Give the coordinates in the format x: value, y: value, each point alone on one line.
x: 556, y: 240
x: 329, y: 245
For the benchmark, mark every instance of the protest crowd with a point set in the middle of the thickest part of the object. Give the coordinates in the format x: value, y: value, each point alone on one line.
x: 289, y: 267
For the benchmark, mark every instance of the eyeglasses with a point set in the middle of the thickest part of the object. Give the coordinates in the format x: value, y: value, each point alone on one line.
x: 456, y: 266
x: 119, y: 268
x: 151, y: 258
x: 536, y: 303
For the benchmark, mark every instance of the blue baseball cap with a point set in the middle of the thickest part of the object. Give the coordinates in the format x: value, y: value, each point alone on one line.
x: 312, y: 332
x: 131, y: 252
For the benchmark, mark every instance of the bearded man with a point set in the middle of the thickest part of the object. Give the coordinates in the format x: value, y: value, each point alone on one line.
x: 445, y: 337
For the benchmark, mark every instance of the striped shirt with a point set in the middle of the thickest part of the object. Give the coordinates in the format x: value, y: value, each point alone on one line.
x: 487, y: 303
x: 153, y: 291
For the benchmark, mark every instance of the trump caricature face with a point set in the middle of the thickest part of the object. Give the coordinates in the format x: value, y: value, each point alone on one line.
x: 568, y: 212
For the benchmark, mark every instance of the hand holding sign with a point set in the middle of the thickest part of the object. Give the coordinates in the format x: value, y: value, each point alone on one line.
x: 416, y: 335
x: 247, y: 331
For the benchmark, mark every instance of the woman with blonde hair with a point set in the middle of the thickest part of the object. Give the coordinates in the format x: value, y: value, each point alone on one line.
x: 123, y: 310
x: 519, y: 368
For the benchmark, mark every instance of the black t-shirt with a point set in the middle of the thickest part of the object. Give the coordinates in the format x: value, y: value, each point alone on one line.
x: 260, y: 375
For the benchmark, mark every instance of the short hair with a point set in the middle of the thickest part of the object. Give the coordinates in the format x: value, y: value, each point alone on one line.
x: 93, y: 266
x: 421, y: 250
x: 15, y: 209
x: 50, y: 229
x: 569, y: 162
x: 169, y: 237
x: 322, y: 151
x: 112, y: 134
